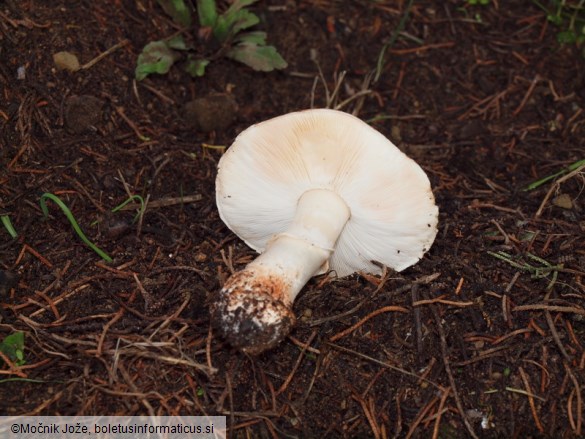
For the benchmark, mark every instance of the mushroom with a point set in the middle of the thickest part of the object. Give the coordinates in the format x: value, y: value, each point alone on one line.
x: 313, y: 191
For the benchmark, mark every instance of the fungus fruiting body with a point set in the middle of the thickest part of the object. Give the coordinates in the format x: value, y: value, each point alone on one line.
x: 313, y: 191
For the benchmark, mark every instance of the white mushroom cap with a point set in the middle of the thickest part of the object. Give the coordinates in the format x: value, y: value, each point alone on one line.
x: 313, y: 191
x: 270, y: 165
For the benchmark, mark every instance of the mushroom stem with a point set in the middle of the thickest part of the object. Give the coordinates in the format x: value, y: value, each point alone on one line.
x: 254, y: 308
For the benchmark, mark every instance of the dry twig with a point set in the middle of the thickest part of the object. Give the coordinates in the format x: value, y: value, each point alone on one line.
x: 365, y: 319
x: 530, y: 396
x: 446, y: 362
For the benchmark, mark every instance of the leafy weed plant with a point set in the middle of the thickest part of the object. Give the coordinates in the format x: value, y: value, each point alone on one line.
x: 569, y: 17
x: 221, y: 35
x: 13, y: 347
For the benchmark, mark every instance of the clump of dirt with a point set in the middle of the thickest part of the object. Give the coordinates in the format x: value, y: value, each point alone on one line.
x: 215, y: 112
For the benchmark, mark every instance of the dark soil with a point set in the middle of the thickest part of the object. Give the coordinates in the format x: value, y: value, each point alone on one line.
x: 484, y: 98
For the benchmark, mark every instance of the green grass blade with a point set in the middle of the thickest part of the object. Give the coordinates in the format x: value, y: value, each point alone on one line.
x: 390, y: 43
x: 73, y: 222
x: 5, y: 219
x: 544, y: 180
x: 139, y: 199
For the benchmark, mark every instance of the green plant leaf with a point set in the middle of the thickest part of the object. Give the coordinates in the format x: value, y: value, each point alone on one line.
x: 239, y: 4
x: 256, y: 37
x: 566, y: 37
x: 207, y: 12
x: 260, y: 58
x: 5, y: 220
x: 177, y: 10
x: 196, y: 67
x: 156, y: 57
x: 234, y: 20
x: 243, y: 20
x: 555, y: 19
x: 13, y: 347
x: 228, y: 25
x: 178, y: 43
x: 137, y: 198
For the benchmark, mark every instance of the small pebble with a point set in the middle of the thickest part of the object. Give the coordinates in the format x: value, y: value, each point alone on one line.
x: 66, y: 61
x: 563, y: 201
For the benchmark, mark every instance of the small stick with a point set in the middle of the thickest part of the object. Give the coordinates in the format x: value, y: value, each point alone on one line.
x: 50, y: 301
x: 577, y: 392
x: 62, y: 297
x: 524, y: 392
x: 555, y: 335
x: 512, y: 282
x: 526, y: 96
x: 13, y: 368
x: 107, y: 326
x: 417, y: 321
x: 131, y: 124
x: 477, y: 205
x: 544, y: 375
x: 446, y: 363
x: 512, y: 334
x: 297, y: 364
x: 422, y: 48
x: 399, y: 81
x: 382, y: 363
x: 365, y: 319
x: 427, y: 370
x: 440, y: 411
x: 420, y: 417
x: 102, y: 55
x: 459, y: 286
x: 572, y: 335
x: 369, y: 416
x: 398, y: 428
x: 443, y: 301
x: 553, y: 308
x: 506, y: 310
x: 162, y: 96
x: 165, y: 202
x: 502, y: 231
x: 46, y: 403
x: 208, y: 348
x: 530, y: 396
x: 555, y: 186
x: 300, y: 344
x: 36, y: 254
x: 420, y: 281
